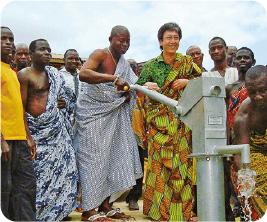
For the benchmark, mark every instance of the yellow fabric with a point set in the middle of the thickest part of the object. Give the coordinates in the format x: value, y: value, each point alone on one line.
x: 139, y: 121
x: 258, y: 158
x: 170, y: 175
x: 12, y: 121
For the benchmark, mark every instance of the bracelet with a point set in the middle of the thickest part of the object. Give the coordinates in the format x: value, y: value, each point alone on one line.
x: 114, y: 83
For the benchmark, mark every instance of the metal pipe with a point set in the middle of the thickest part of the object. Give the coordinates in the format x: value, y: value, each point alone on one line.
x: 159, y: 97
x: 244, y: 149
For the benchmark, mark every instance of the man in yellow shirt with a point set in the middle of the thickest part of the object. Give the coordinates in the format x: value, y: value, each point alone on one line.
x: 18, y: 182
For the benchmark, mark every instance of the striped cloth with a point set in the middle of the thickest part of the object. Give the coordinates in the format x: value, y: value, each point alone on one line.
x: 107, y: 153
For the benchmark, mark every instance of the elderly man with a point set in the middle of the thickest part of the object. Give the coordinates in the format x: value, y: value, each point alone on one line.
x: 250, y: 127
x: 197, y: 56
x: 108, y: 158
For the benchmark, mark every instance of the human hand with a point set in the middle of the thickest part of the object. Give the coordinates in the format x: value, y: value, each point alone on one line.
x: 122, y: 84
x: 179, y: 84
x: 6, y: 154
x: 61, y: 103
x: 152, y: 86
x: 32, y: 147
x: 127, y: 96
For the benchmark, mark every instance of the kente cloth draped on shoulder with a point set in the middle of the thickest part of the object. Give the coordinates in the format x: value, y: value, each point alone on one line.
x: 258, y: 158
x: 169, y: 179
x: 55, y: 165
x: 108, y: 158
x: 236, y: 99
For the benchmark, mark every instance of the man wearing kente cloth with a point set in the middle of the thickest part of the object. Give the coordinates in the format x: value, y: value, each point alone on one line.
x: 250, y: 127
x: 48, y: 104
x: 236, y: 92
x: 168, y: 184
x: 108, y: 159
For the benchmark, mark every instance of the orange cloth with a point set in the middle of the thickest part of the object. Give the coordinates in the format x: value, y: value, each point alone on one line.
x: 139, y: 122
x: 12, y: 114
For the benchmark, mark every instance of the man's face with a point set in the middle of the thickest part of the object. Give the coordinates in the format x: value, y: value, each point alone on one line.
x: 72, y: 61
x: 196, y: 55
x: 170, y: 42
x: 22, y: 57
x: 217, y: 50
x: 231, y: 50
x: 120, y: 42
x: 257, y: 91
x: 42, y: 53
x: 7, y: 42
x: 243, y: 60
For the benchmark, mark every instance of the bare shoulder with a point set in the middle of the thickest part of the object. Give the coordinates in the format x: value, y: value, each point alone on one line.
x: 24, y: 74
x: 243, y: 113
x: 99, y: 54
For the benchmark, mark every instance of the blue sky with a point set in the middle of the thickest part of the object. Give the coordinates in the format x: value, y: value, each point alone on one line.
x: 86, y: 25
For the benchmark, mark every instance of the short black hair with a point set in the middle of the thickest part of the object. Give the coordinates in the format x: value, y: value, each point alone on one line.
x: 256, y: 71
x: 117, y: 29
x: 69, y: 50
x: 32, y: 45
x: 248, y: 49
x: 218, y: 38
x: 170, y: 26
x: 4, y: 27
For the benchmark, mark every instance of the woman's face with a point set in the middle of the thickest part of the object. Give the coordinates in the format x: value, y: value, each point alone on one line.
x: 170, y: 42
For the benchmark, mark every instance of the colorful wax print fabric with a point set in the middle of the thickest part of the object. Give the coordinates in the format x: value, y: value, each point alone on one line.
x: 168, y: 184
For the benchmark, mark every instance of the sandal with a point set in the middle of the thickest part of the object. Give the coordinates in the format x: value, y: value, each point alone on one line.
x: 96, y: 217
x: 117, y: 214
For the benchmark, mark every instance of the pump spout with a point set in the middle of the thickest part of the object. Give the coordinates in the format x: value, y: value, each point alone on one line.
x: 244, y: 149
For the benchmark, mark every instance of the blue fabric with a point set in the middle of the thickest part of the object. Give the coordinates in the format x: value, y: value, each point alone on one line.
x: 55, y: 165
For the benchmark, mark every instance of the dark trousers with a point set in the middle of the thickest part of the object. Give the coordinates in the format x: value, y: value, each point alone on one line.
x: 18, y: 184
x: 136, y: 192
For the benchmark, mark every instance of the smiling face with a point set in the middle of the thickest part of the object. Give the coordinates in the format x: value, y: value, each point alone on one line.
x: 120, y: 42
x: 217, y: 50
x: 170, y: 41
x: 257, y: 91
x: 256, y: 84
x: 72, y: 61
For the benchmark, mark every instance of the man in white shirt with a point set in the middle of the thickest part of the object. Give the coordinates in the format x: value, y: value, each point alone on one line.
x: 218, y: 53
x: 71, y: 72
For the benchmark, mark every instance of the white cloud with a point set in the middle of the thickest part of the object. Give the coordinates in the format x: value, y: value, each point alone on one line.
x: 86, y: 25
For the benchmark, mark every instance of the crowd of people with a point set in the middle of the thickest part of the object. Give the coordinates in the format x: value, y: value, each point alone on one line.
x: 76, y: 138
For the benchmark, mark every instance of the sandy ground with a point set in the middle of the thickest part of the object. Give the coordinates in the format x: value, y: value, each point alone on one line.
x: 120, y: 203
